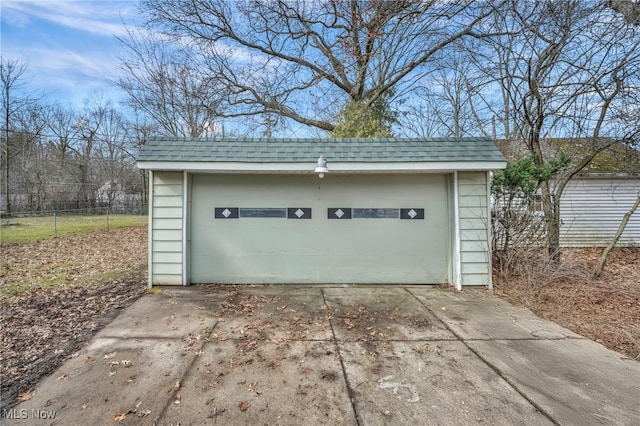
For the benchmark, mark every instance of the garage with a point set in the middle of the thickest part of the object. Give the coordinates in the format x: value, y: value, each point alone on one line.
x: 257, y: 211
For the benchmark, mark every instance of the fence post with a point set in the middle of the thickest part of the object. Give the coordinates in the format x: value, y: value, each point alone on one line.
x: 55, y: 226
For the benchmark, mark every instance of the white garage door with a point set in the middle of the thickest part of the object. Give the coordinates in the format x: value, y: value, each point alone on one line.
x: 362, y: 229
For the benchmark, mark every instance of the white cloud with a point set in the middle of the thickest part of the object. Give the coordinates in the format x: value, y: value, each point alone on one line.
x: 68, y: 46
x: 97, y: 17
x: 68, y: 75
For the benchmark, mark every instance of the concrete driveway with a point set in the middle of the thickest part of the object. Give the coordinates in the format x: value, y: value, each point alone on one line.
x: 283, y: 355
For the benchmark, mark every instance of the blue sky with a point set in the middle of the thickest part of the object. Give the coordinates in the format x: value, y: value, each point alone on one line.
x: 69, y: 46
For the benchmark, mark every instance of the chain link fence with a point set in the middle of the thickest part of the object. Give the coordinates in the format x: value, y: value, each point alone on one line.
x: 32, y: 226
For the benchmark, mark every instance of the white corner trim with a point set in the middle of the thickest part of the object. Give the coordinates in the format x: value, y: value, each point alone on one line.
x: 185, y: 206
x: 489, y: 228
x: 150, y: 231
x: 457, y: 265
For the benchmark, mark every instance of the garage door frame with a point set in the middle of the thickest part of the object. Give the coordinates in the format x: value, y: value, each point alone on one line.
x: 320, y: 250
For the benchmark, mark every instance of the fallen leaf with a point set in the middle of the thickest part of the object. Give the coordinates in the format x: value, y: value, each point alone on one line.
x: 176, y: 386
x: 63, y: 377
x: 25, y: 396
x: 120, y: 417
x: 143, y: 413
x: 244, y: 405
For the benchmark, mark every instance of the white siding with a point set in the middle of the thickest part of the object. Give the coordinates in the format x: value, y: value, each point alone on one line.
x: 475, y: 253
x: 591, y: 210
x: 166, y: 228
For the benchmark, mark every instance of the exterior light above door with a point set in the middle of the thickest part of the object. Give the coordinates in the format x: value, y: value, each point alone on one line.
x: 322, y: 168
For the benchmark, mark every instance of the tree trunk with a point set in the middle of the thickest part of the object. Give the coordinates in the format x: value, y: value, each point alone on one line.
x: 6, y: 156
x: 616, y: 237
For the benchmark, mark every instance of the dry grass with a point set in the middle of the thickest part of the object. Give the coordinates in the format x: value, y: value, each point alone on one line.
x: 55, y: 294
x: 606, y: 310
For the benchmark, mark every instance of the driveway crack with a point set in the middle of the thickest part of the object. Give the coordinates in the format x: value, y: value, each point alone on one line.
x: 187, y: 373
x: 485, y: 361
x: 350, y: 391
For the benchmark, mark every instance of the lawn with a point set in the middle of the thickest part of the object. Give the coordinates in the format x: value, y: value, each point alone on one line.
x: 31, y: 229
x: 56, y: 293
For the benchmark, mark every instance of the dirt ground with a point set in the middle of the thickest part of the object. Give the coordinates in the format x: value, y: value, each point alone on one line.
x: 606, y: 310
x: 86, y: 280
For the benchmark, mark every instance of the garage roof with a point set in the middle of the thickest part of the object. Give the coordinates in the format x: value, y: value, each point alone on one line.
x: 291, y: 154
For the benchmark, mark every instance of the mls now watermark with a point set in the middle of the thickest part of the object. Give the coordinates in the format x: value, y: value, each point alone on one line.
x: 23, y: 414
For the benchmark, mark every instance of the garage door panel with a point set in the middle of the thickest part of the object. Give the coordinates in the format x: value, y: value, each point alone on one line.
x: 264, y: 269
x: 319, y: 250
x: 276, y: 247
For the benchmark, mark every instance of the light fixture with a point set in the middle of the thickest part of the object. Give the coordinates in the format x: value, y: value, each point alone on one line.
x: 322, y: 166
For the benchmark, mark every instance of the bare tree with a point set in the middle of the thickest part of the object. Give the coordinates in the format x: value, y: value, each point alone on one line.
x: 89, y: 123
x: 164, y: 82
x: 306, y: 60
x: 63, y: 130
x: 31, y: 173
x: 630, y: 9
x: 446, y: 104
x: 14, y: 100
x: 140, y: 130
x: 56, y: 156
x: 616, y: 237
x: 565, y: 69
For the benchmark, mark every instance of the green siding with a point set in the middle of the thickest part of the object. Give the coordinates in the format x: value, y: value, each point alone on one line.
x: 168, y: 213
x: 166, y: 228
x: 167, y: 246
x: 166, y: 279
x: 167, y: 223
x: 168, y: 257
x: 475, y: 256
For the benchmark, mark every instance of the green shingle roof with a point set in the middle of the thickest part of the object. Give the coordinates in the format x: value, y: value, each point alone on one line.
x: 265, y: 150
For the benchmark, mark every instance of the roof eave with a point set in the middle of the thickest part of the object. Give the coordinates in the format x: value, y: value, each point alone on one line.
x: 334, y: 167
